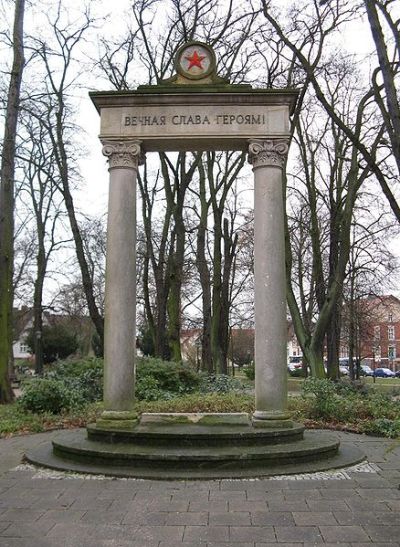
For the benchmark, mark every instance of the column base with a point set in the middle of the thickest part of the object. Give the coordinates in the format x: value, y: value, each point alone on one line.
x: 118, y: 419
x: 271, y: 419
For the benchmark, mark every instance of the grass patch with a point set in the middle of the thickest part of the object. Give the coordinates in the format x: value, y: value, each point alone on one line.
x: 199, y: 402
x: 382, y: 385
x: 13, y: 420
x: 347, y: 407
x: 322, y: 404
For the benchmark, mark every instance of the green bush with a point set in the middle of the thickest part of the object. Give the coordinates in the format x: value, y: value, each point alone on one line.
x: 349, y: 403
x: 250, y: 371
x: 58, y: 342
x: 380, y: 405
x: 43, y: 395
x: 147, y: 388
x: 324, y: 397
x: 170, y: 377
x: 75, y: 368
x: 383, y: 427
x: 346, y: 387
x: 155, y: 379
x: 297, y: 373
x: 90, y: 384
x: 219, y: 383
x: 84, y: 376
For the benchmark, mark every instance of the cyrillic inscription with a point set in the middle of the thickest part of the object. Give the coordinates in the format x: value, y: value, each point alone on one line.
x: 145, y: 120
x: 195, y: 119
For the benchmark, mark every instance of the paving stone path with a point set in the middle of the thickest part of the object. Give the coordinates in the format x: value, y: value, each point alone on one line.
x: 356, y: 507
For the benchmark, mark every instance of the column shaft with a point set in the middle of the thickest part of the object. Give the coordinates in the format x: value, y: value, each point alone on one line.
x: 267, y: 158
x: 120, y: 290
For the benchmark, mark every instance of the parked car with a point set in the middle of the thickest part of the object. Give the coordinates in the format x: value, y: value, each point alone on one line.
x: 397, y: 374
x: 384, y: 373
x: 294, y: 363
x: 294, y: 366
x: 365, y: 370
x: 344, y: 371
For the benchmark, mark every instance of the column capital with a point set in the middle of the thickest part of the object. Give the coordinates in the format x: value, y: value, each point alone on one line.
x: 268, y: 152
x: 123, y: 154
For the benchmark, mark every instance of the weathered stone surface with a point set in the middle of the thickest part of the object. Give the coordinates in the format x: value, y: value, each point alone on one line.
x: 214, y: 456
x: 195, y: 119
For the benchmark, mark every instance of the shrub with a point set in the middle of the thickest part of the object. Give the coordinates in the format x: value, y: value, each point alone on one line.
x: 380, y: 405
x: 49, y: 395
x: 145, y: 340
x: 297, y: 373
x: 325, y: 400
x: 170, y: 376
x: 250, y: 371
x: 76, y: 368
x: 155, y: 379
x: 346, y: 387
x: 58, y: 342
x: 219, y: 383
x: 383, y: 427
x: 84, y: 376
x: 147, y: 388
x: 90, y: 384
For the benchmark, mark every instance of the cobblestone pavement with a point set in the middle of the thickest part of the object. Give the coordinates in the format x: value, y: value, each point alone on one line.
x: 356, y: 507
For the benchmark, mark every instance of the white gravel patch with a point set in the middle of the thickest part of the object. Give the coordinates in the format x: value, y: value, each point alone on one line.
x: 336, y: 474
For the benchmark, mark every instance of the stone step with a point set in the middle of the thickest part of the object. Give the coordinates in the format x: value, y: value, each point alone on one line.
x: 43, y: 455
x: 196, y: 435
x: 75, y: 446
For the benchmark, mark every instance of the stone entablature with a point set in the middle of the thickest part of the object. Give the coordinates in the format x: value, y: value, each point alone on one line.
x: 195, y: 120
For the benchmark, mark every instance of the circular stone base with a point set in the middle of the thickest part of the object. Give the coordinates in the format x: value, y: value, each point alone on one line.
x: 73, y: 451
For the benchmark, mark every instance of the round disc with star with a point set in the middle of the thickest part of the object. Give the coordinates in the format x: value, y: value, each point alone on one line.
x: 195, y: 60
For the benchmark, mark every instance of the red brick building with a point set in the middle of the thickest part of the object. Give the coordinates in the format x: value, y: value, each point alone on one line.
x: 380, y: 336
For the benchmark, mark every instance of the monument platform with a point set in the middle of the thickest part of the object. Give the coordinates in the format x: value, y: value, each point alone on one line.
x: 195, y: 446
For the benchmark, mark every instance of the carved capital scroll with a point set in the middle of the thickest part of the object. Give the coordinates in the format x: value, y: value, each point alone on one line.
x: 123, y: 154
x: 268, y: 152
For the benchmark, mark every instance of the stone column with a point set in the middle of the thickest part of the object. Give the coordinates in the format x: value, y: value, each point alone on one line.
x: 120, y: 290
x: 267, y: 158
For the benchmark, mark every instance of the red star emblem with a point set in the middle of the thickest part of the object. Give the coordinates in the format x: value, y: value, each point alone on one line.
x: 195, y: 60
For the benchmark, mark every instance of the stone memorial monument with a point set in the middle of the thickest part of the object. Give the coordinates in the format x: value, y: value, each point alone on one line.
x: 195, y: 110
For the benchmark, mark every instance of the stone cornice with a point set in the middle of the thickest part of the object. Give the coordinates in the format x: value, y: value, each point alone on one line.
x: 123, y: 154
x: 268, y: 152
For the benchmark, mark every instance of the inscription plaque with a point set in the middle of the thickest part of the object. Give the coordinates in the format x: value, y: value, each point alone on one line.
x: 196, y: 122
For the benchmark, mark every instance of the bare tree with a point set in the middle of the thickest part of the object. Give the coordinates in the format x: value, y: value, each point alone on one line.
x: 39, y: 192
x: 7, y: 203
x: 334, y: 13
x: 372, y: 270
x: 329, y: 79
x: 216, y: 177
x: 57, y: 61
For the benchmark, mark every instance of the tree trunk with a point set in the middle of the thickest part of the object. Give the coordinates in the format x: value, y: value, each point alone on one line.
x: 38, y: 309
x: 392, y: 121
x: 204, y: 274
x: 157, y: 318
x: 230, y: 244
x: 333, y: 343
x: 7, y: 204
x: 216, y: 348
x: 176, y: 200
